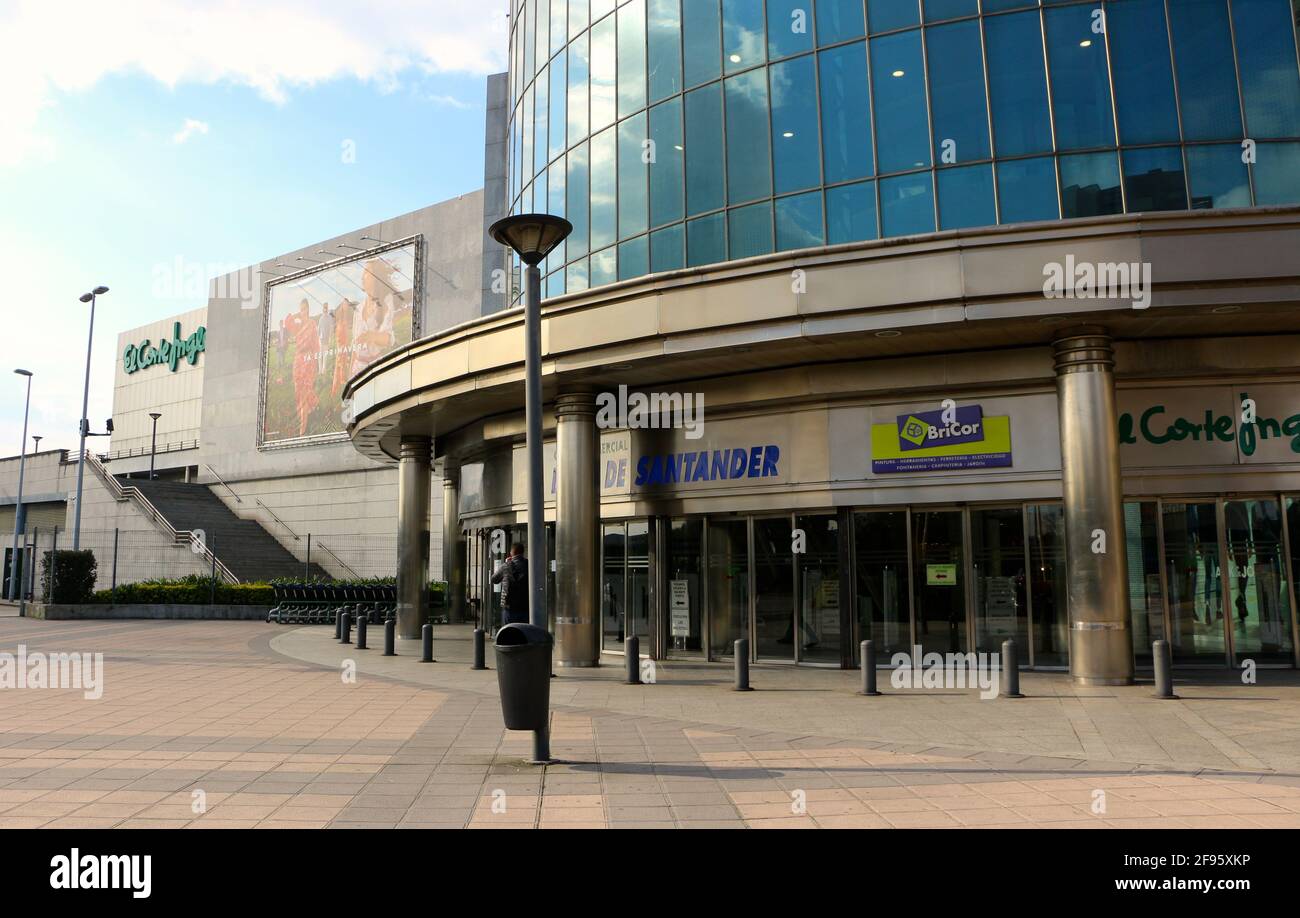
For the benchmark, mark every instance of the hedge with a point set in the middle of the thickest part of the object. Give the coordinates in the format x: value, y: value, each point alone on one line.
x: 189, y: 594
x: 74, y: 575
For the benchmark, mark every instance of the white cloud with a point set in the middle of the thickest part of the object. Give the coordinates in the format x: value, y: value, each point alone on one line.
x: 272, y: 46
x: 191, y: 127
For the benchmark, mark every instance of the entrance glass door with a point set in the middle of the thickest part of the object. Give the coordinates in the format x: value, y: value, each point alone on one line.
x: 1048, y: 583
x: 819, y: 590
x: 637, y: 615
x: 774, y: 634
x: 880, y: 560
x: 613, y: 591
x: 728, y: 583
x: 1194, y: 581
x: 938, y: 579
x: 1260, y: 611
x: 684, y: 606
x: 998, y: 565
x: 1145, y: 598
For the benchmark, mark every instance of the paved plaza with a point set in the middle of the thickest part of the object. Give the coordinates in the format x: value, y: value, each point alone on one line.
x: 245, y: 724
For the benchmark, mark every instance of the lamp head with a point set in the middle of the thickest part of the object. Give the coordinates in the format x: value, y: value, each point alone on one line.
x: 23, y: 372
x: 155, y: 414
x: 86, y: 297
x: 532, y: 236
x: 100, y: 290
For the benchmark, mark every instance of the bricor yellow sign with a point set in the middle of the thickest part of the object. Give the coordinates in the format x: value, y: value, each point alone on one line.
x: 937, y: 441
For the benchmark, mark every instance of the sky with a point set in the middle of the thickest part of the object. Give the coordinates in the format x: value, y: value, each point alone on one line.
x: 142, y: 139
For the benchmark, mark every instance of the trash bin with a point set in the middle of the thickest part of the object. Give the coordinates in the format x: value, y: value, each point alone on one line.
x: 523, y: 655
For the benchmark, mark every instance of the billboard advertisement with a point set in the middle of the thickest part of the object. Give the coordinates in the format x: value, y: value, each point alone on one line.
x: 324, y: 326
x: 927, y: 441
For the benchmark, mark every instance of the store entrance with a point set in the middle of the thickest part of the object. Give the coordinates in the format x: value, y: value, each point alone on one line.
x: 939, y: 578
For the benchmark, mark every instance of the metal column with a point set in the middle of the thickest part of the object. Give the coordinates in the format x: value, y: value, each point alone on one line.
x: 577, y: 531
x: 453, y: 546
x: 413, y: 536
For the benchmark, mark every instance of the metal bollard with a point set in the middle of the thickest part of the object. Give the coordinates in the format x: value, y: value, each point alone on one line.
x: 741, y: 651
x: 868, y: 657
x: 632, y: 654
x: 1162, y: 655
x: 390, y: 637
x: 338, y: 625
x: 345, y: 636
x: 426, y: 643
x: 1010, y: 671
x: 480, y: 656
x: 362, y: 621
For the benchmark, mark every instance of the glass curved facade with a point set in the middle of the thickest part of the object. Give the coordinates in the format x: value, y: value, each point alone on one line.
x: 675, y: 133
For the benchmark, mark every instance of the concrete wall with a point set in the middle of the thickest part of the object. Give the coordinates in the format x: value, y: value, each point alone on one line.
x: 178, y: 395
x: 496, y: 189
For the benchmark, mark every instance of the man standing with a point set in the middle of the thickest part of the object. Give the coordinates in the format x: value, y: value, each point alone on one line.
x: 512, y: 574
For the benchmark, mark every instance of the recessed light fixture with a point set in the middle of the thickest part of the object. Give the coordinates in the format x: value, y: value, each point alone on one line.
x: 1086, y: 43
x: 888, y: 333
x: 735, y: 58
x: 899, y: 73
x: 678, y: 146
x: 788, y: 134
x: 1222, y: 310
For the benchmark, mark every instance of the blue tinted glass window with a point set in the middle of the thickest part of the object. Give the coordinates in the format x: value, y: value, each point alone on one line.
x: 558, y: 97
x: 1277, y: 174
x: 1217, y: 176
x: 559, y: 24
x: 1080, y: 86
x: 789, y: 27
x: 667, y: 172
x: 705, y: 242
x: 633, y: 205
x: 578, y: 11
x: 541, y: 125
x: 555, y: 193
x: 578, y: 65
x: 907, y: 205
x: 667, y: 249
x: 966, y: 197
x: 799, y: 222
x: 575, y: 276
x: 957, y: 99
x: 1090, y: 185
x: 794, y: 125
x: 1027, y: 190
x: 704, y: 178
x: 634, y: 258
x: 664, y: 40
x: 702, y: 39
x: 543, y: 32
x: 604, y: 268
x: 846, y: 113
x: 838, y: 20
x: 743, y: 41
x: 576, y: 207
x: 1017, y: 84
x: 997, y: 6
x: 1270, y: 77
x: 851, y: 213
x: 898, y: 96
x: 883, y: 15
x: 604, y: 74
x: 749, y: 230
x: 1207, y: 79
x: 949, y: 9
x: 1153, y: 179
x: 604, y: 189
x: 749, y: 171
x: 1144, y: 79
x: 555, y: 284
x: 631, y: 57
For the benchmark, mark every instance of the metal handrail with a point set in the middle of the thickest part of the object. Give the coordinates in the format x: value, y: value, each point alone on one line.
x: 180, y: 536
x: 347, y: 567
x: 222, y: 482
x: 278, y: 520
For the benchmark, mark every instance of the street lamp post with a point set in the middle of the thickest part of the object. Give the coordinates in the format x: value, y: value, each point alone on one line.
x: 20, y: 517
x: 85, y: 408
x: 153, y: 440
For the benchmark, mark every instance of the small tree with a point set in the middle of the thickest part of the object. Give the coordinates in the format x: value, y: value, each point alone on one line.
x: 73, y: 574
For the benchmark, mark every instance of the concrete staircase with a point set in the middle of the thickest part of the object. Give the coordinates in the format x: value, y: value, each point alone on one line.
x: 243, y: 546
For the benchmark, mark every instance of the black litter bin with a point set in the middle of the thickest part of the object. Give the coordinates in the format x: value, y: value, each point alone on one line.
x: 523, y: 655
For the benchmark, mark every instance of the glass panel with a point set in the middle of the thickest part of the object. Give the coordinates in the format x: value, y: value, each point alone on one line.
x: 749, y: 163
x: 577, y: 16
x: 604, y: 189
x: 898, y: 96
x: 1154, y: 180
x: 743, y: 41
x: 728, y: 584
x: 557, y: 143
x: 633, y: 207
x: 998, y: 559
x: 702, y: 40
x: 526, y: 149
x: 667, y: 172
x: 613, y: 585
x: 600, y: 8
x: 1048, y: 583
x: 1141, y: 544
x: 838, y: 20
x: 543, y: 33
x: 1195, y: 584
x: 1090, y: 185
x: 559, y: 24
x: 634, y: 258
x: 1017, y: 84
x: 705, y: 244
x: 579, y: 63
x: 576, y: 208
x: 529, y: 25
x: 666, y: 247
x: 821, y: 634
x: 1265, y: 32
x: 704, y: 178
x: 799, y: 222
x: 1277, y: 174
x: 1144, y: 80
x: 1218, y: 176
x: 846, y: 113
x: 1207, y: 78
x: 604, y: 268
x: 966, y: 197
x: 773, y: 589
x: 576, y: 276
x: 1080, y: 86
x: 1257, y: 577
x: 907, y: 204
x: 939, y: 579
x: 789, y: 27
x: 555, y: 203
x: 685, y: 565
x: 794, y: 125
x: 664, y: 40
x: 883, y: 15
x: 957, y: 101
x: 1293, y: 531
x: 638, y: 582
x: 604, y: 74
x: 631, y: 58
x: 749, y: 230
x: 948, y: 9
x: 541, y: 144
x: 851, y: 213
x: 993, y: 6
x: 880, y: 565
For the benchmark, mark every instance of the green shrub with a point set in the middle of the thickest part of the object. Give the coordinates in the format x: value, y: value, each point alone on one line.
x: 193, y: 590
x: 73, y: 573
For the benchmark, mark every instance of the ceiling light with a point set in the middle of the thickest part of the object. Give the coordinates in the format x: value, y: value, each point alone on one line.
x: 788, y: 134
x: 735, y: 58
x: 1086, y: 43
x: 898, y: 73
x: 888, y: 333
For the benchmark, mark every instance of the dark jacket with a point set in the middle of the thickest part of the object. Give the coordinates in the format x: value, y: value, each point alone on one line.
x: 513, y: 577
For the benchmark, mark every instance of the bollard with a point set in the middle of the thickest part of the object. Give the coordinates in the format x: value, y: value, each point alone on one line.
x: 868, y: 656
x: 390, y: 637
x: 742, y: 666
x: 632, y: 659
x: 338, y: 625
x: 426, y: 643
x: 362, y: 621
x: 480, y: 661
x: 1010, y: 671
x: 1163, y: 657
x: 346, y: 637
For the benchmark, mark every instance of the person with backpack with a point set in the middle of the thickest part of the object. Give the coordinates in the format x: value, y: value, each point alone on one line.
x: 512, y: 574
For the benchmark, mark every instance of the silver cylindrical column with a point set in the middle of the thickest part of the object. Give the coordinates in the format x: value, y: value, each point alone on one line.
x: 1096, y: 565
x: 577, y: 531
x: 413, y: 535
x: 453, y: 546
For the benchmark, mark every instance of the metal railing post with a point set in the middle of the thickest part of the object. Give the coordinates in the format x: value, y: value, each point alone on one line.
x: 113, y: 588
x: 212, y: 595
x: 54, y: 564
x: 306, y: 565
